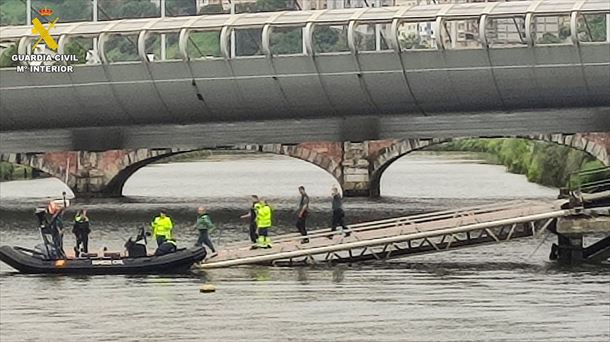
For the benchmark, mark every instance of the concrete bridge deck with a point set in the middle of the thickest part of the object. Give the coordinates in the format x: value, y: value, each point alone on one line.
x: 481, y: 75
x: 402, y: 236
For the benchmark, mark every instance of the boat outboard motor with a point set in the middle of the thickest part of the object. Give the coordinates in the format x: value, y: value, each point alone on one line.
x: 48, y: 247
x: 134, y: 248
x: 49, y: 251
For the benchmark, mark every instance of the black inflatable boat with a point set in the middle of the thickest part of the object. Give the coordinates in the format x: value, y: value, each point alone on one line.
x: 32, y: 261
x: 48, y: 257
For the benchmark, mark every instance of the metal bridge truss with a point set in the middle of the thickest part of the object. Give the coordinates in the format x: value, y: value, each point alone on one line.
x: 438, y: 242
x: 401, y: 237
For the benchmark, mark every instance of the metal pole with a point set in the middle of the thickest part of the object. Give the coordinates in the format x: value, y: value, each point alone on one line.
x: 28, y: 12
x: 94, y: 10
x: 232, y: 30
x: 95, y: 19
x: 607, y: 27
x: 163, y: 52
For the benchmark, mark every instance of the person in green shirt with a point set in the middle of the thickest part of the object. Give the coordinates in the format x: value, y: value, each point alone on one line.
x: 205, y: 227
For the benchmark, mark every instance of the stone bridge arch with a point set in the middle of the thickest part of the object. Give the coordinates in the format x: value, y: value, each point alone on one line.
x: 357, y: 166
x: 104, y: 174
x: 91, y: 173
x: 595, y: 144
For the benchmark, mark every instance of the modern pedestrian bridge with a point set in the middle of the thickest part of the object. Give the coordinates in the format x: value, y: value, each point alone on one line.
x: 525, y: 67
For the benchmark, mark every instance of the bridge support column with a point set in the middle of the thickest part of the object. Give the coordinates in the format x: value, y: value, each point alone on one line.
x: 356, y: 170
x: 90, y: 174
x: 570, y: 249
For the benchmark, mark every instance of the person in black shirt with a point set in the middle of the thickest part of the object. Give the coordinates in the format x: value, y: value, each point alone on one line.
x: 251, y: 215
x: 338, y: 213
x: 302, y: 214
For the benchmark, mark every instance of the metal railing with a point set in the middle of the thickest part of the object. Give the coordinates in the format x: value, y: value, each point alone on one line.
x: 590, y: 181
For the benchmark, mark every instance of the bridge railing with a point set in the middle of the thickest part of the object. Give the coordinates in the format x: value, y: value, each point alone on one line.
x: 590, y: 181
x: 270, y: 35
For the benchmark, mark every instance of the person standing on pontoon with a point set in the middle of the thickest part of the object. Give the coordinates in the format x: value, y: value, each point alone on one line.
x: 251, y: 216
x: 205, y: 227
x: 338, y: 213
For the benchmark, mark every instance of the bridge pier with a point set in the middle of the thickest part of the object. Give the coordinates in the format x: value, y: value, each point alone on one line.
x: 571, y: 230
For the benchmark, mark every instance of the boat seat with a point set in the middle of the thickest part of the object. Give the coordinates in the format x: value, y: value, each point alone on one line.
x: 113, y: 255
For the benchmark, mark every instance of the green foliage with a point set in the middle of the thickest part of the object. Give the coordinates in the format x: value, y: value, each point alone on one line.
x: 120, y: 9
x: 180, y: 7
x: 65, y: 10
x: 411, y: 41
x: 329, y: 39
x: 549, y: 38
x: 543, y: 163
x: 12, y: 12
x: 274, y: 5
x: 592, y: 28
x: 6, y: 171
x: 122, y: 48
x: 79, y: 48
x: 286, y: 40
x: 248, y: 42
x: 212, y: 9
x: 5, y: 57
x: 9, y: 171
x: 204, y: 44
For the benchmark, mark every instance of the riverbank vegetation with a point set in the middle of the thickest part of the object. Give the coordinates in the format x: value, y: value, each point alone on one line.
x: 10, y: 171
x: 543, y: 163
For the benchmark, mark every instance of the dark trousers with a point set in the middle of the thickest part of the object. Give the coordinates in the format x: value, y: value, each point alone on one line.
x: 338, y: 219
x: 160, y: 239
x: 204, y: 239
x: 301, y: 224
x: 253, y: 234
x: 84, y: 240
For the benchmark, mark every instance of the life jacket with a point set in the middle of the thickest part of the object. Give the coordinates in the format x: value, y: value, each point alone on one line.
x: 162, y: 226
x: 263, y: 216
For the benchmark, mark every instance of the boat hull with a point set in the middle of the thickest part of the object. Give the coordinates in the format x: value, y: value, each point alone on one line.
x: 25, y: 261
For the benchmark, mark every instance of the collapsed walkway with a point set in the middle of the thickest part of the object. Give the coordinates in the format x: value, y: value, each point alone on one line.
x: 401, y: 236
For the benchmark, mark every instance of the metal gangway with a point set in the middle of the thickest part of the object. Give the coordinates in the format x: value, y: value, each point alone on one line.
x: 401, y: 236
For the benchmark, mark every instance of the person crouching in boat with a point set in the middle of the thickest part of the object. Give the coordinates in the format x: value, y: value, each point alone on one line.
x: 162, y: 227
x: 81, y: 231
x: 166, y: 247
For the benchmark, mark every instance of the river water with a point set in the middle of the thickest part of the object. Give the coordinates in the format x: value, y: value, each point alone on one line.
x: 505, y: 292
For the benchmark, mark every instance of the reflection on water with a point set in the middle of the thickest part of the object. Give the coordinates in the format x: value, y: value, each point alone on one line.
x: 489, y: 293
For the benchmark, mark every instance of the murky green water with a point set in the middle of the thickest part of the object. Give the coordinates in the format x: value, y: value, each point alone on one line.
x: 502, y: 292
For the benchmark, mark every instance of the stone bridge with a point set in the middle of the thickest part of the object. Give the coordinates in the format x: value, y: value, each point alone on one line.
x: 357, y: 166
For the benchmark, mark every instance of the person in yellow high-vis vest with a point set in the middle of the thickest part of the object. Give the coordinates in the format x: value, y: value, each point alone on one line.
x: 263, y: 223
x: 162, y: 226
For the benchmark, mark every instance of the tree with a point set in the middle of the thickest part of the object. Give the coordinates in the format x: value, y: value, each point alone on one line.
x: 5, y: 57
x: 12, y: 12
x: 329, y: 39
x: 212, y: 9
x: 274, y: 5
x: 180, y: 7
x: 592, y: 28
x: 76, y: 47
x: 411, y: 41
x: 286, y: 40
x: 120, y: 9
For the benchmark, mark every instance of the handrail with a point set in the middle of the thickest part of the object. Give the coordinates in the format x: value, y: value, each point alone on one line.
x: 600, y: 180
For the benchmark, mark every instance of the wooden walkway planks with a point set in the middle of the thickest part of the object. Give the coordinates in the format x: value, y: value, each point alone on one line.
x: 387, y: 232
